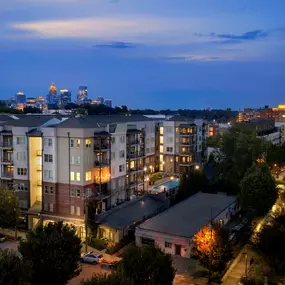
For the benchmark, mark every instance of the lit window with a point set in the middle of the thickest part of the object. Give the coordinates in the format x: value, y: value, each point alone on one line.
x: 161, y: 148
x: 78, y: 211
x: 161, y: 130
x: 77, y: 143
x: 72, y: 176
x: 72, y: 210
x: 176, y: 158
x: 87, y: 143
x: 88, y: 176
x: 161, y: 140
x: 77, y: 176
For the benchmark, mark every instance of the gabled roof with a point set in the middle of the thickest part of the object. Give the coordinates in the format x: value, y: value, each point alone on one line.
x: 28, y: 121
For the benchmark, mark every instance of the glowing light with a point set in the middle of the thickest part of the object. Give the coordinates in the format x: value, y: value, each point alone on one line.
x: 145, y: 169
x: 171, y: 178
x: 197, y: 167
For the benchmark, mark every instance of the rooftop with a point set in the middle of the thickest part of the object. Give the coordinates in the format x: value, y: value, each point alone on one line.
x: 132, y: 212
x: 28, y: 121
x: 187, y: 217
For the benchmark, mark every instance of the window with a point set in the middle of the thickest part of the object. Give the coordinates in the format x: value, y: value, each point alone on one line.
x: 176, y: 158
x: 74, y: 143
x: 21, y: 140
x: 51, y: 190
x: 87, y: 143
x: 46, y: 207
x: 46, y: 189
x: 48, y: 157
x: 113, y: 155
x: 88, y: 176
x: 24, y: 204
x: 78, y: 211
x: 51, y: 207
x: 75, y: 193
x: 168, y: 245
x: 22, y: 171
x: 75, y: 160
x: 122, y: 168
x: 22, y: 187
x: 48, y: 174
x: 161, y: 140
x: 122, y: 139
x: 21, y: 155
x: 161, y: 130
x: 72, y: 210
x: 147, y: 150
x: 161, y: 148
x: 113, y: 140
x: 147, y: 241
x: 47, y: 142
x: 122, y: 153
x: 169, y: 149
x: 77, y: 176
x: 87, y: 192
x: 72, y: 176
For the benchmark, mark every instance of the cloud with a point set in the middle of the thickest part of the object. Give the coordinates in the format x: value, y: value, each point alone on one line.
x: 116, y: 45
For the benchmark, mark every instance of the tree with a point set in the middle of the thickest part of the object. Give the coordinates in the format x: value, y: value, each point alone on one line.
x: 115, y: 278
x: 9, y: 208
x: 32, y: 110
x: 53, y: 252
x: 236, y: 151
x: 211, y: 247
x: 148, y: 265
x: 11, y: 268
x: 258, y: 190
x: 270, y: 244
x: 190, y: 184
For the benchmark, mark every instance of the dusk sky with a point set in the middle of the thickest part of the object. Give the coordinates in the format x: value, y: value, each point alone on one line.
x: 147, y: 53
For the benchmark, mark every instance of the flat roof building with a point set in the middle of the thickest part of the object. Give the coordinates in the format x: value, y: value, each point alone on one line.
x: 174, y: 229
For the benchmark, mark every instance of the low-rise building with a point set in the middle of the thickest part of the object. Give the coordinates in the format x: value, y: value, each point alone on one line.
x: 174, y: 229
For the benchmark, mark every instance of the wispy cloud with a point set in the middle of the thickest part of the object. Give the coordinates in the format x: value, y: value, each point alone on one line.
x: 116, y: 45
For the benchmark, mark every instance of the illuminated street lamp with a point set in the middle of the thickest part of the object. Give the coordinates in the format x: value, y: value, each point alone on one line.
x: 171, y: 178
x: 197, y: 167
x: 145, y: 169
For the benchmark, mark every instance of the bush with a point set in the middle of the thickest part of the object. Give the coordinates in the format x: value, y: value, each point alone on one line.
x: 116, y: 247
x: 98, y: 243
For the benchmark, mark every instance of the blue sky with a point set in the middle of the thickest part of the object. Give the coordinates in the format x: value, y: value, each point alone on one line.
x: 147, y: 53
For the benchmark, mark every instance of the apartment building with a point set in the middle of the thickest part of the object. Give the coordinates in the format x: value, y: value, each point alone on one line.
x: 181, y: 144
x: 55, y: 163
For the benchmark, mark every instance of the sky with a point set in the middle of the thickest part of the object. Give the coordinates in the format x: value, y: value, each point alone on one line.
x: 147, y: 53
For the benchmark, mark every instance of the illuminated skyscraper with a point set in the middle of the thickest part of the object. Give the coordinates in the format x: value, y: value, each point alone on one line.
x: 108, y: 103
x: 100, y: 100
x: 52, y: 97
x: 82, y: 95
x: 20, y: 98
x: 65, y: 97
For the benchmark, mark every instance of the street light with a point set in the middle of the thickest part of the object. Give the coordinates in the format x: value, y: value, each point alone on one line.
x: 145, y: 169
x: 171, y: 178
x: 197, y: 167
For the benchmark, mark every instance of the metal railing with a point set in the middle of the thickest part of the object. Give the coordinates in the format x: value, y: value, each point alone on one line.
x: 7, y: 159
x: 98, y: 163
x: 6, y: 144
x: 6, y: 174
x: 101, y: 146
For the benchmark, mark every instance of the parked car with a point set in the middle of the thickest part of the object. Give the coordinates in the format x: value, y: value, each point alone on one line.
x: 92, y: 257
x: 2, y: 238
x: 114, y: 265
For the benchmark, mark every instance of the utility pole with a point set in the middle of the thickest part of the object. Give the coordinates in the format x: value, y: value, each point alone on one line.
x: 86, y: 223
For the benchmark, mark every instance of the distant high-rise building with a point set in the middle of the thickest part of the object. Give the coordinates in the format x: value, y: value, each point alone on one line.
x: 108, y: 103
x: 31, y: 102
x: 41, y: 103
x: 100, y: 100
x: 52, y: 97
x: 82, y: 95
x: 65, y: 97
x: 20, y: 98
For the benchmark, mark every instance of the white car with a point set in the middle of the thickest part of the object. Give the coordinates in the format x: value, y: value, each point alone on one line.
x: 92, y: 257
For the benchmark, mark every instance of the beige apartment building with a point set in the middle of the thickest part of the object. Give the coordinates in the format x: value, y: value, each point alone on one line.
x: 55, y: 162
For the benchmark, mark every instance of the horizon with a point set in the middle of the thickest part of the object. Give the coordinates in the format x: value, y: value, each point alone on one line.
x: 149, y: 54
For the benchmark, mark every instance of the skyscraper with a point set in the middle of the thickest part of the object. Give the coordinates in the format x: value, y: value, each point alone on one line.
x: 100, y: 100
x: 108, y: 102
x: 20, y: 98
x: 82, y: 95
x: 52, y: 97
x: 65, y: 97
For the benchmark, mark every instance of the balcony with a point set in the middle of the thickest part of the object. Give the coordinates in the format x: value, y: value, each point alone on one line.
x: 6, y: 144
x: 103, y: 179
x: 7, y: 160
x: 102, y: 163
x: 187, y: 143
x: 135, y: 142
x: 7, y: 175
x: 136, y: 169
x: 101, y: 147
x: 186, y: 134
x: 135, y: 155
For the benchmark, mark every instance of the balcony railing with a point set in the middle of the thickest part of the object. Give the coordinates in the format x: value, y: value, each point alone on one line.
x: 135, y: 155
x: 131, y: 142
x: 7, y: 159
x: 104, y: 179
x: 8, y: 144
x: 136, y: 169
x: 8, y: 175
x: 101, y: 146
x: 186, y: 134
x: 104, y: 162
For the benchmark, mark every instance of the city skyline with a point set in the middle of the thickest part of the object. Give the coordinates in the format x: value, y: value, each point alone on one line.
x: 147, y: 54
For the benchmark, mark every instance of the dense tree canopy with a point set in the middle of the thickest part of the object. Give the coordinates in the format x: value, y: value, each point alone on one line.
x: 115, y: 278
x: 9, y: 208
x: 211, y: 247
x: 53, y: 252
x: 148, y: 265
x: 190, y: 184
x: 236, y: 151
x: 11, y: 268
x: 258, y: 190
x: 270, y: 244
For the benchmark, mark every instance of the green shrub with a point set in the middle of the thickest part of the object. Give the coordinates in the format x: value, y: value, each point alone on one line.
x: 98, y: 243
